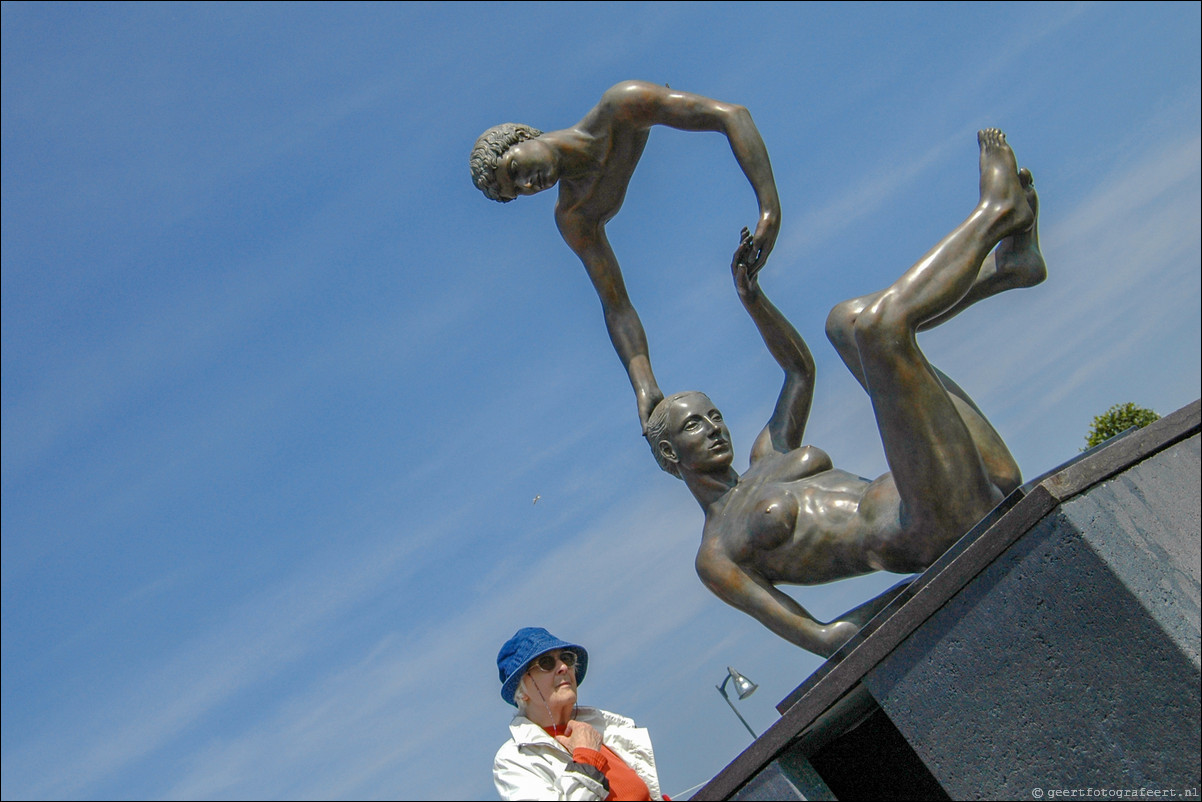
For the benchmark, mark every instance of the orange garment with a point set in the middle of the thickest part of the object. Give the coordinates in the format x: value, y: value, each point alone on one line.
x: 624, y: 782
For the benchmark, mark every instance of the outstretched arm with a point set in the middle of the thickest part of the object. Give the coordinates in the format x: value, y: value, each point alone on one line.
x: 787, y: 424
x: 588, y: 240
x: 762, y: 601
x: 643, y: 104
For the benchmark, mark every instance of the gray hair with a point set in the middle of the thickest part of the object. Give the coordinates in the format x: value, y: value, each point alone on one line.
x: 520, y: 697
x: 489, y: 150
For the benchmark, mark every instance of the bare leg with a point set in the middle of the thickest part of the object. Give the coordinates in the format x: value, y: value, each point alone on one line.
x: 1015, y: 262
x: 942, y: 481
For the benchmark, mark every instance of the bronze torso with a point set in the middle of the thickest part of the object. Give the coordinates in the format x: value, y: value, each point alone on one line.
x: 796, y: 519
x: 597, y: 195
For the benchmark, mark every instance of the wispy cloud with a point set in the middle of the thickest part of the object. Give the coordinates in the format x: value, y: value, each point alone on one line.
x: 280, y: 387
x: 361, y: 715
x: 254, y: 641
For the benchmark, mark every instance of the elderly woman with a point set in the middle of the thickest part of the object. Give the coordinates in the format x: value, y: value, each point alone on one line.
x: 592, y: 162
x: 556, y: 749
x: 793, y: 518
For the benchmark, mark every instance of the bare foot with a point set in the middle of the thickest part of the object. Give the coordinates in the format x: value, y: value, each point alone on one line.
x: 1002, y: 194
x: 1018, y: 258
x: 1016, y: 261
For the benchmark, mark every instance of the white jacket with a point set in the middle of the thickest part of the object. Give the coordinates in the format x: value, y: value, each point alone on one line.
x: 533, y: 765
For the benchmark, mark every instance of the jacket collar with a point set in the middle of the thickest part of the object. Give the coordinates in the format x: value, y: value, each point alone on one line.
x: 525, y: 731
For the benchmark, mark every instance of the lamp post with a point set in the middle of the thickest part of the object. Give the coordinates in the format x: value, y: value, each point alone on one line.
x: 744, y: 688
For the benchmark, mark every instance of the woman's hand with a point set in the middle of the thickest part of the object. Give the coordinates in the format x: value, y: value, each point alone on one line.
x: 580, y: 735
x: 835, y: 634
x: 741, y: 266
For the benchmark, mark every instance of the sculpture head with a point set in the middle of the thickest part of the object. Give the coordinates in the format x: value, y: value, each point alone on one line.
x: 686, y: 433
x: 488, y: 154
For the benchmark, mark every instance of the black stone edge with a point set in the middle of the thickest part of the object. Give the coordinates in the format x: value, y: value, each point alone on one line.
x: 932, y: 589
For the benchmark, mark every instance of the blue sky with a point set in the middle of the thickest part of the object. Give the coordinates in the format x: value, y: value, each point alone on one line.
x: 280, y: 385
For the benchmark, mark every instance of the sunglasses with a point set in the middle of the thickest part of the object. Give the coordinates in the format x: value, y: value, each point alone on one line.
x: 547, y: 662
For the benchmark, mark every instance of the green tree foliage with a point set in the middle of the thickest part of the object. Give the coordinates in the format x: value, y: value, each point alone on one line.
x: 1116, y: 420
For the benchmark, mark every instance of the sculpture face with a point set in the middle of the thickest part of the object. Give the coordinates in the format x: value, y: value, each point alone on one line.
x: 698, y: 435
x: 527, y: 168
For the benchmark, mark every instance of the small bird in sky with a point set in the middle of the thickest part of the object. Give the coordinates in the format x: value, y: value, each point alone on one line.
x: 536, y: 498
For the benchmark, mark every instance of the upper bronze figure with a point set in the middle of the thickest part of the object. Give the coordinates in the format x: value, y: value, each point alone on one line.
x: 592, y: 163
x: 793, y: 518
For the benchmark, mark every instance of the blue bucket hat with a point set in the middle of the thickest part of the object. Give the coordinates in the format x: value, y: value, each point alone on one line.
x: 523, y: 649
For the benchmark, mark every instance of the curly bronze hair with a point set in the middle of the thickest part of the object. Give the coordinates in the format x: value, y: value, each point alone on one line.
x: 489, y: 149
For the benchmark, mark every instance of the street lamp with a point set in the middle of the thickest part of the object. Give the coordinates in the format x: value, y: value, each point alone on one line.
x: 744, y: 688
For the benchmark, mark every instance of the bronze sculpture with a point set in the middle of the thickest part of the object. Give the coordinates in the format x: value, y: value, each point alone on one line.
x: 592, y: 162
x: 792, y: 518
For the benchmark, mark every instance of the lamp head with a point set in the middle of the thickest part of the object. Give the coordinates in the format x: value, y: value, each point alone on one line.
x: 743, y: 686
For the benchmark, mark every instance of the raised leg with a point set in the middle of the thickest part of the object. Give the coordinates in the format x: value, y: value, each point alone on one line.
x: 934, y: 437
x: 1015, y: 262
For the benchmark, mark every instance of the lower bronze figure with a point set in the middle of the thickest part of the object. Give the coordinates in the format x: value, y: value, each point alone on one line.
x: 792, y: 517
